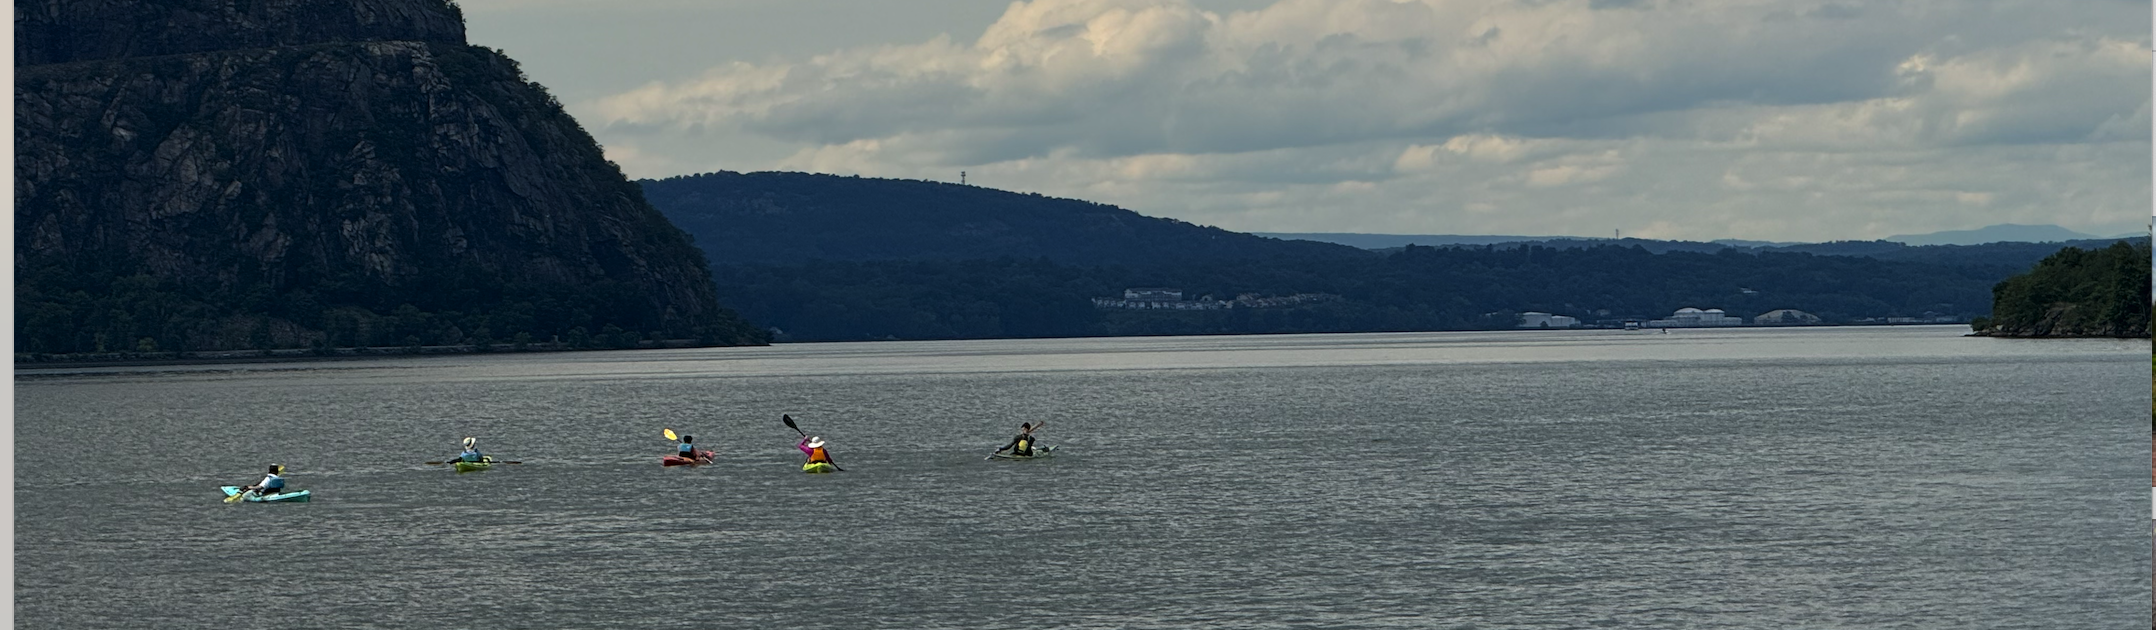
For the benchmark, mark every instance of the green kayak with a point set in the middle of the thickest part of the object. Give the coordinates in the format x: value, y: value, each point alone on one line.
x: 283, y: 497
x: 463, y: 466
x: 818, y: 467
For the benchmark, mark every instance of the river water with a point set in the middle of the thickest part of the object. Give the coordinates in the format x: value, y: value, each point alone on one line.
x: 1787, y: 478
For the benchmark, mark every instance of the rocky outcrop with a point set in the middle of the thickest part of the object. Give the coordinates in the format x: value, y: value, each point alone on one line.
x: 326, y: 173
x: 60, y: 31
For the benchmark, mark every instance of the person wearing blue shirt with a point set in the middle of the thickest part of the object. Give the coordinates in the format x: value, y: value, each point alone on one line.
x: 688, y: 449
x: 471, y: 452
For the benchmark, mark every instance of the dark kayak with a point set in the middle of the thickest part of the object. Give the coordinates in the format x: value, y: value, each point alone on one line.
x: 704, y: 457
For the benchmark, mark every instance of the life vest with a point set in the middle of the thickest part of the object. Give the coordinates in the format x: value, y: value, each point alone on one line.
x: 1025, y: 445
x: 688, y: 450
x: 816, y: 455
x: 272, y: 484
x: 471, y: 456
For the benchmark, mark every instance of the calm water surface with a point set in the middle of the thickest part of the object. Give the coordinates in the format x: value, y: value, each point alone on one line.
x: 1792, y: 478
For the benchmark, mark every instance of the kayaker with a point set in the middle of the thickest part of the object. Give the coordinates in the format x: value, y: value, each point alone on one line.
x: 814, y: 447
x: 273, y: 483
x: 688, y: 449
x: 471, y: 451
x: 1022, y: 445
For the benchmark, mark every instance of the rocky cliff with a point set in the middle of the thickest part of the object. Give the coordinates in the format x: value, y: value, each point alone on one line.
x: 204, y: 174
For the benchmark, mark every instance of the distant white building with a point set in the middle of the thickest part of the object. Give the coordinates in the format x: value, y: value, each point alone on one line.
x: 1785, y: 317
x: 1153, y: 295
x: 1533, y: 319
x: 1694, y: 318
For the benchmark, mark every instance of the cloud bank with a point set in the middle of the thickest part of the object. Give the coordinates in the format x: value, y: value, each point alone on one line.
x: 1781, y: 120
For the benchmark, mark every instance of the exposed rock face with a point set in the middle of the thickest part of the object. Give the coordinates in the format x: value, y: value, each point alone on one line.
x: 60, y: 31
x: 339, y: 173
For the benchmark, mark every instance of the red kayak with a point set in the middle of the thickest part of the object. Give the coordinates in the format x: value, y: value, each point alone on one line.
x: 703, y: 457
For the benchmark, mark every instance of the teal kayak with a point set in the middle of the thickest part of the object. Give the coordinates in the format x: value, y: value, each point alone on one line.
x: 1038, y: 453
x: 285, y: 497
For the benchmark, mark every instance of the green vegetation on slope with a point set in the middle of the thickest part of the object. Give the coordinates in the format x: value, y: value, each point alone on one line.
x: 2075, y: 293
x: 784, y: 218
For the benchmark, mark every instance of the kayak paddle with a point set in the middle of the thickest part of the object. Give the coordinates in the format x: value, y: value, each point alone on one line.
x: 236, y: 496
x: 670, y: 434
x: 789, y: 420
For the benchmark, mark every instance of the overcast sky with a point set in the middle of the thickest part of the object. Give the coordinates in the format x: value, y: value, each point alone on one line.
x: 1785, y: 120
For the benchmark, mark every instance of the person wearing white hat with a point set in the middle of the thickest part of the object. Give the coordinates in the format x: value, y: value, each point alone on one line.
x: 813, y: 446
x: 471, y: 451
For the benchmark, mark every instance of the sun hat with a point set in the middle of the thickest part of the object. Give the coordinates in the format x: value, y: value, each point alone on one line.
x: 815, y: 442
x: 468, y: 441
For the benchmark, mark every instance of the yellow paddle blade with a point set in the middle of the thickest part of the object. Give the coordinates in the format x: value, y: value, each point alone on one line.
x: 235, y: 497
x: 670, y: 434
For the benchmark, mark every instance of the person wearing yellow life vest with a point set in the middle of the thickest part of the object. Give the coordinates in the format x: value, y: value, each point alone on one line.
x: 1022, y: 445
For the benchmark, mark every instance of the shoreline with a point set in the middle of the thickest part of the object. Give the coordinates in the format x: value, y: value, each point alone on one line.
x: 296, y: 355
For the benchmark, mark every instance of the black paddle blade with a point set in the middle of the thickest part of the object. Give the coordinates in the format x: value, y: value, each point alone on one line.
x: 789, y: 420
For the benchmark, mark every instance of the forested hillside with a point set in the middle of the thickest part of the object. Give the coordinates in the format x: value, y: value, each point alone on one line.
x: 786, y: 218
x: 820, y: 257
x: 2075, y: 293
x: 1418, y: 288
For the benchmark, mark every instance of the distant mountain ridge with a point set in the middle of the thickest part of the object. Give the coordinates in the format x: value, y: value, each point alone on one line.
x: 1389, y: 241
x: 2006, y: 233
x: 784, y: 218
x: 2002, y: 233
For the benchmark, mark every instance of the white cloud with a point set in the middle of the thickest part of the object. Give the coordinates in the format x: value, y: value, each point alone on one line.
x: 1763, y: 119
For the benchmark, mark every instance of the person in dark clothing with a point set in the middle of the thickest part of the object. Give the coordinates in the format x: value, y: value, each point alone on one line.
x: 1022, y: 445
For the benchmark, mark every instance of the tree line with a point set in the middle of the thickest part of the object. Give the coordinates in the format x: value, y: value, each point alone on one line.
x: 1412, y: 289
x: 2075, y: 293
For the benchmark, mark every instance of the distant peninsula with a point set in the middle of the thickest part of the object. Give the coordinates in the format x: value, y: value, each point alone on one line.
x: 2075, y: 293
